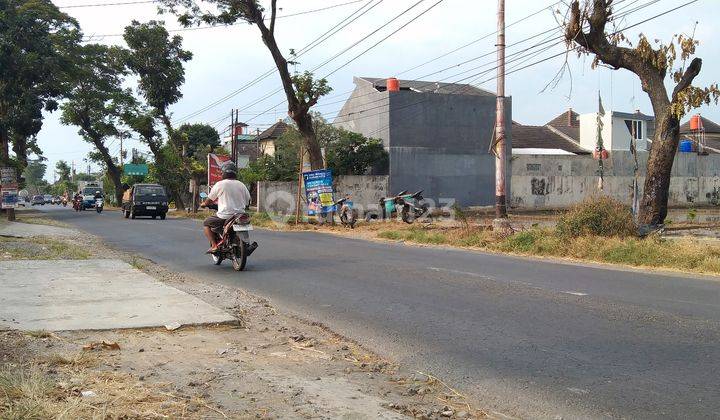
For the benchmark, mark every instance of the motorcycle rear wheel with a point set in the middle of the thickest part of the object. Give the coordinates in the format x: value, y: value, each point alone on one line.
x: 239, y: 257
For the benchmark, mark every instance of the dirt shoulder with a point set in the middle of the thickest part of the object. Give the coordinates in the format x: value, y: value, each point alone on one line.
x: 268, y: 364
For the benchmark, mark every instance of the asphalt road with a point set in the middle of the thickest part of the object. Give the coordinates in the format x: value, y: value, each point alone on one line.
x: 523, y: 337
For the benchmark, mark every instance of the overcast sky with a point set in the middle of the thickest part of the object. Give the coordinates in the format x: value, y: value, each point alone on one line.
x: 225, y: 58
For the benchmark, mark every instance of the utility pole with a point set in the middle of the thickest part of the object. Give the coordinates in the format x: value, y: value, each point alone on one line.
x: 233, y: 122
x: 121, y: 150
x: 72, y: 172
x: 500, y: 152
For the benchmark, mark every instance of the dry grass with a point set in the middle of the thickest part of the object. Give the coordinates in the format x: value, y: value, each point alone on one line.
x: 38, y: 220
x: 30, y: 393
x: 40, y: 248
x: 655, y: 252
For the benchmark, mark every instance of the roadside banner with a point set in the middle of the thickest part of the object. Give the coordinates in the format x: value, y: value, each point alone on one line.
x: 214, y: 171
x: 10, y: 198
x: 319, y: 191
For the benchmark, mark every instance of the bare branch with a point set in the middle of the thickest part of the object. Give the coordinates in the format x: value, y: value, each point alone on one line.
x: 273, y: 13
x: 688, y: 76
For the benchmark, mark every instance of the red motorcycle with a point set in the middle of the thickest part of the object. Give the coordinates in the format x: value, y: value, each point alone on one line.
x: 77, y: 204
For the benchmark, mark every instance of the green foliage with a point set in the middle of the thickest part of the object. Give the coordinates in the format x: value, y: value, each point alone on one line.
x: 597, y: 215
x: 354, y: 154
x: 309, y: 90
x: 346, y: 153
x: 37, y: 53
x: 158, y: 61
x: 199, y: 138
x: 692, y: 214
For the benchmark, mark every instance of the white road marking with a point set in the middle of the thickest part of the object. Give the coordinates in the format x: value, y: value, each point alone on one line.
x: 574, y: 293
x: 462, y: 273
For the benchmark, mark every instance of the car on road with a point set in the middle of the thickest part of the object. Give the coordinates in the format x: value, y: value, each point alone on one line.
x: 38, y: 200
x: 145, y: 200
x: 47, y: 198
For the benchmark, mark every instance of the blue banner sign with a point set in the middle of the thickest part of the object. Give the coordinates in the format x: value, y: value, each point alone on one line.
x: 319, y: 191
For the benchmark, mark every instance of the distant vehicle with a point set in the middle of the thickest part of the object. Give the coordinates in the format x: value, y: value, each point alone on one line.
x: 56, y: 200
x: 88, y: 195
x: 48, y: 199
x: 38, y: 200
x: 145, y: 200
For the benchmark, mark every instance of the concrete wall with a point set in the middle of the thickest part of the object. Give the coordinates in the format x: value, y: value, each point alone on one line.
x: 552, y: 182
x: 365, y: 192
x: 437, y: 142
x: 616, y: 135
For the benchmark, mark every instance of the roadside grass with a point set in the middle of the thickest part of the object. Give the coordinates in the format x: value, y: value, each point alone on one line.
x: 38, y: 220
x: 40, y: 248
x: 655, y: 252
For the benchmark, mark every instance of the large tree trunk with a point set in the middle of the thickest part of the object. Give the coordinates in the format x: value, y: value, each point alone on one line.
x: 306, y: 129
x: 297, y: 110
x: 20, y: 150
x: 176, y: 193
x: 113, y: 170
x: 654, y: 201
x: 4, y: 147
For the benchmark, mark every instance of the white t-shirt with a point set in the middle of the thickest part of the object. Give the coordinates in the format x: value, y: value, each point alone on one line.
x: 232, y: 197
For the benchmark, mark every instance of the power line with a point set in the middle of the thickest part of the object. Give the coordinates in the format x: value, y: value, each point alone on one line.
x: 369, y: 48
x: 314, y: 43
x: 517, y: 69
x: 77, y: 6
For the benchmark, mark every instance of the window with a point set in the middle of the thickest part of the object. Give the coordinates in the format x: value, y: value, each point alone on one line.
x: 533, y: 166
x: 635, y: 127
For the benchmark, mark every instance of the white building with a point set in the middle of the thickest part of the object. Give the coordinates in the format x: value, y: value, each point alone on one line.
x: 618, y: 130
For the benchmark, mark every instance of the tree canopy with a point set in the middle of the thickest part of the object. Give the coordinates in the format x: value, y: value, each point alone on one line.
x: 37, y: 51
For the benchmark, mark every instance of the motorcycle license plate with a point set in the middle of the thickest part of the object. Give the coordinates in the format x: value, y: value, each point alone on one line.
x: 242, y: 228
x: 151, y: 208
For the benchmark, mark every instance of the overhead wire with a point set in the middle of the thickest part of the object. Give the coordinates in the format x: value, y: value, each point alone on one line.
x: 307, y: 48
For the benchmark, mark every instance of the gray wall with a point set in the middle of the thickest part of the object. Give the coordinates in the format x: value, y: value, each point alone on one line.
x: 552, y: 182
x: 437, y: 142
x: 364, y: 190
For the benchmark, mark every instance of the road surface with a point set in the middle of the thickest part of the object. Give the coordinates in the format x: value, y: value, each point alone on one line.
x: 523, y: 337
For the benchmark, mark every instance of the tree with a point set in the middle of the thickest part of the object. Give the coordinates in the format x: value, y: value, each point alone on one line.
x: 34, y: 175
x: 198, y: 137
x: 37, y: 44
x: 302, y: 91
x: 157, y: 59
x: 586, y: 30
x: 97, y: 102
x: 63, y: 171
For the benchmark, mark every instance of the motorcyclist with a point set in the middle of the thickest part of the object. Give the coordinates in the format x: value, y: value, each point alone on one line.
x: 77, y: 200
x: 232, y: 197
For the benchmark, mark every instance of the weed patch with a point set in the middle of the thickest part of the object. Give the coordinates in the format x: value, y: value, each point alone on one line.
x: 40, y: 248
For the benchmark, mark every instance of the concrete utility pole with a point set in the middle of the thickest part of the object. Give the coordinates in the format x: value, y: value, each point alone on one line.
x: 500, y: 152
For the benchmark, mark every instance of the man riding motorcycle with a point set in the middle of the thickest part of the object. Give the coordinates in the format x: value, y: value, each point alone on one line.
x: 232, y: 197
x: 77, y: 200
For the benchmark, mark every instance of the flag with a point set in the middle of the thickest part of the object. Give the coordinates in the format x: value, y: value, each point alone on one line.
x: 601, y: 110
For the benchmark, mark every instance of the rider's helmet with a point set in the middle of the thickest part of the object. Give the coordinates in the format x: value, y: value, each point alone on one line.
x: 229, y: 167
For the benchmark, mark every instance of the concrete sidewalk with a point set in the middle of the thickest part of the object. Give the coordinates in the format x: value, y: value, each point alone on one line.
x: 27, y: 230
x: 93, y: 294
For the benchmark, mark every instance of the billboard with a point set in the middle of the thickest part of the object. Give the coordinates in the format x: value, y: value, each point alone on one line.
x: 319, y: 191
x: 214, y: 164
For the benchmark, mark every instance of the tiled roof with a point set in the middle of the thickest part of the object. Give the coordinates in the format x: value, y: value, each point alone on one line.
x: 430, y: 87
x: 568, y: 118
x: 542, y: 137
x: 274, y: 131
x: 708, y: 125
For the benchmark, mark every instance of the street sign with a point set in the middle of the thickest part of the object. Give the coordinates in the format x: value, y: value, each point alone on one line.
x: 9, y: 198
x: 8, y: 176
x: 135, y: 169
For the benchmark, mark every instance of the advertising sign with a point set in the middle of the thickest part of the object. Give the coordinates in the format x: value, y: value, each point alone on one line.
x: 214, y: 164
x: 9, y: 198
x: 8, y: 176
x: 319, y: 191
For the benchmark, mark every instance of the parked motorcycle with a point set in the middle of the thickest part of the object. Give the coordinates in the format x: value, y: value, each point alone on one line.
x: 99, y: 205
x: 234, y: 244
x: 410, y: 206
x: 348, y: 215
